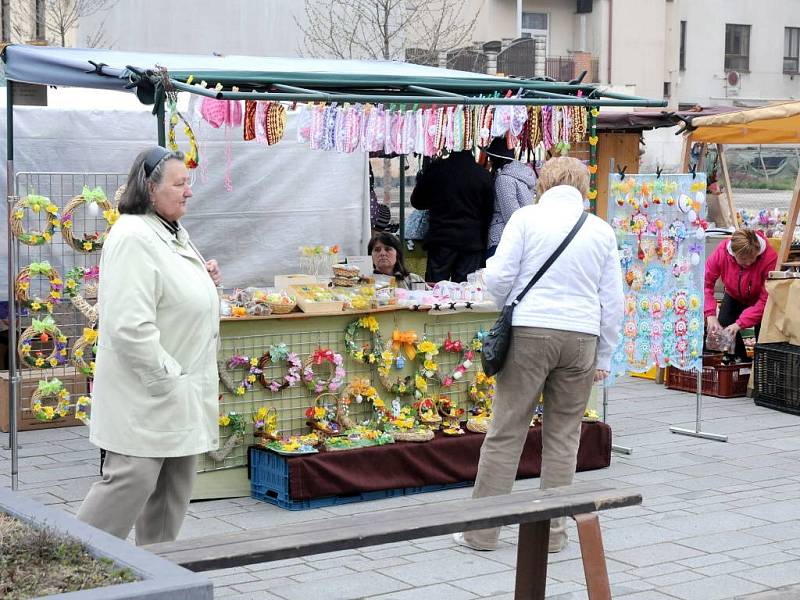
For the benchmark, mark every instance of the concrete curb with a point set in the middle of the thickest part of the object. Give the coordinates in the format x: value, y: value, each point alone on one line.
x: 159, y: 578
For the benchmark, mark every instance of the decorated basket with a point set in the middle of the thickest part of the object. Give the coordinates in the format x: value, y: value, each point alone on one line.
x: 318, y: 416
x: 479, y: 423
x: 279, y: 308
x: 422, y: 434
x: 428, y: 414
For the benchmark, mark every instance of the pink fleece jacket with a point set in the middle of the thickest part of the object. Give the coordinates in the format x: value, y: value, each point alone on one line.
x: 743, y: 284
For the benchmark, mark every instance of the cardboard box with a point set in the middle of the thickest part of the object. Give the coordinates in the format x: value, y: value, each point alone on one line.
x: 76, y: 384
x: 282, y: 282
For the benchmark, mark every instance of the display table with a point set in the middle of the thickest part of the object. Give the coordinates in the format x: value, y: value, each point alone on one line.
x: 444, y: 461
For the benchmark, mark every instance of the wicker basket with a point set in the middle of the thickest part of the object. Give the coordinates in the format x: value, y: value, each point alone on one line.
x: 413, y: 435
x: 278, y: 308
x: 434, y: 419
x: 265, y: 434
x: 324, y: 429
x: 479, y: 424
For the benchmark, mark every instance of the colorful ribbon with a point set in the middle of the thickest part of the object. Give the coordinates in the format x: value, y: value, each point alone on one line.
x: 95, y: 195
x: 405, y: 341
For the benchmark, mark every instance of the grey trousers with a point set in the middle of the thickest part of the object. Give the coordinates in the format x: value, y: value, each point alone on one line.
x: 561, y: 365
x: 153, y: 493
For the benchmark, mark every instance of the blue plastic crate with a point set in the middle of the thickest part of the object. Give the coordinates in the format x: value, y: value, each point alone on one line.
x: 269, y: 482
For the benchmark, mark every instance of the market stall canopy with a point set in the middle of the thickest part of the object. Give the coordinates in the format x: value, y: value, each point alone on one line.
x: 774, y: 124
x: 650, y: 119
x: 300, y: 79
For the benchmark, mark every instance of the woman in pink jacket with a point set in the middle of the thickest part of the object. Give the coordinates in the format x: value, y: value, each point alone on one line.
x: 743, y: 263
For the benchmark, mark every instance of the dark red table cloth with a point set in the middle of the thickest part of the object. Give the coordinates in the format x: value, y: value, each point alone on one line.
x: 443, y: 460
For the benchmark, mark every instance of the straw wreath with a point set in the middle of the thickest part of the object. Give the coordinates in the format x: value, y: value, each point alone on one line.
x: 38, y: 204
x: 22, y: 285
x: 90, y: 242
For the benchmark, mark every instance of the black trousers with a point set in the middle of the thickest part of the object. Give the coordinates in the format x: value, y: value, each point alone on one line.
x: 729, y: 311
x: 454, y: 264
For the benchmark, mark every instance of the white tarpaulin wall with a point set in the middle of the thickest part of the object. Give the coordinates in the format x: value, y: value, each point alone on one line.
x: 283, y: 197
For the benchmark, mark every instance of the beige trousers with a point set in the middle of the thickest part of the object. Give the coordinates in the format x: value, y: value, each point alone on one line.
x: 561, y: 365
x: 153, y: 493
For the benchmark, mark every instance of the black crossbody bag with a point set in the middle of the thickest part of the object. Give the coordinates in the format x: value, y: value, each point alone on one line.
x: 497, y: 341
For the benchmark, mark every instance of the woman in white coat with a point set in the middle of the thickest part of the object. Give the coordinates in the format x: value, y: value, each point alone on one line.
x: 154, y: 400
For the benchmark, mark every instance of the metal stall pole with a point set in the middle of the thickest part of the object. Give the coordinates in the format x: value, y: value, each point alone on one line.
x: 402, y: 209
x: 13, y: 378
x: 159, y: 110
x: 614, y: 447
x: 717, y: 437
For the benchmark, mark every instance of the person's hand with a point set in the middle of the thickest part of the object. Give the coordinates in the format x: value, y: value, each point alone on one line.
x: 713, y: 324
x: 600, y: 375
x: 213, y: 270
x: 732, y: 329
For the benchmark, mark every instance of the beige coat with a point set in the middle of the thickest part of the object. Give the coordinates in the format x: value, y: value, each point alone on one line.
x: 155, y: 386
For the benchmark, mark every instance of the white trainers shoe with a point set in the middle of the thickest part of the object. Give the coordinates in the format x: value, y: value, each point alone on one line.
x: 459, y: 539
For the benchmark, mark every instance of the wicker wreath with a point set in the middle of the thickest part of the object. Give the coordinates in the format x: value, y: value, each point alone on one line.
x: 237, y: 427
x: 22, y: 287
x: 79, y: 280
x: 87, y: 342
x: 83, y: 409
x: 37, y: 204
x: 294, y: 373
x: 90, y: 242
x: 326, y: 358
x: 52, y: 390
x: 46, y: 331
x: 238, y: 361
x: 366, y: 353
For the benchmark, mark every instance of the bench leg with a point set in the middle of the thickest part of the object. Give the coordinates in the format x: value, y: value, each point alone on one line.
x: 593, y: 555
x: 532, y: 560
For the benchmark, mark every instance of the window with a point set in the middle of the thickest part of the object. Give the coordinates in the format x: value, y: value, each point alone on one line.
x: 534, y: 25
x: 682, y: 54
x: 667, y: 89
x: 791, y: 50
x: 737, y: 47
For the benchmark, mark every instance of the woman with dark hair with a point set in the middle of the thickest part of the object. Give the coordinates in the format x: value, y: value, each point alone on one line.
x: 387, y: 259
x: 513, y: 188
x: 154, y: 398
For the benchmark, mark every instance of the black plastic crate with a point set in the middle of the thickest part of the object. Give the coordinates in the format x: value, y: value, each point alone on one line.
x: 777, y: 377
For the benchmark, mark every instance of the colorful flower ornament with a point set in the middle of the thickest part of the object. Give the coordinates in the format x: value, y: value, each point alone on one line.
x: 51, y: 389
x: 467, y: 358
x: 39, y: 205
x: 369, y: 353
x: 83, y: 407
x: 22, y: 287
x: 335, y: 378
x: 87, y: 342
x: 278, y: 353
x: 361, y: 390
x: 45, y: 331
x: 237, y: 362
x: 90, y: 242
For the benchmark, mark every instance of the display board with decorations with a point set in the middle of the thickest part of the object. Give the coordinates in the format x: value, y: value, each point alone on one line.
x: 59, y: 223
x: 660, y: 227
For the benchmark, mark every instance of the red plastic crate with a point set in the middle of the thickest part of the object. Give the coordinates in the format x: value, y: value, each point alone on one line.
x: 720, y: 381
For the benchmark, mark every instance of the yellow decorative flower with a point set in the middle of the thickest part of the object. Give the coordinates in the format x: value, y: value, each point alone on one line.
x: 53, y: 362
x: 63, y: 352
x: 421, y: 383
x: 430, y: 365
x: 80, y: 415
x: 428, y: 347
x: 378, y: 403
x: 240, y: 390
x: 55, y: 295
x: 46, y: 235
x: 370, y: 323
x: 49, y: 412
x: 36, y: 306
x: 253, y: 362
x: 87, y: 245
x: 358, y: 355
x: 52, y: 209
x: 39, y: 362
x: 224, y: 420
x: 251, y: 378
x: 78, y: 353
x: 319, y: 412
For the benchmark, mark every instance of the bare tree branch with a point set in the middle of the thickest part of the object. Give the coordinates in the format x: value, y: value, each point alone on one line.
x: 385, y: 28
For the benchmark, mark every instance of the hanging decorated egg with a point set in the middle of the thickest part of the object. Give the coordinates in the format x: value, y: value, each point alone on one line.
x: 684, y: 203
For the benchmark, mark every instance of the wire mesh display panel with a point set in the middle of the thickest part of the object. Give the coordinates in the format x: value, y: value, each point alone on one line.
x: 69, y: 239
x: 252, y: 338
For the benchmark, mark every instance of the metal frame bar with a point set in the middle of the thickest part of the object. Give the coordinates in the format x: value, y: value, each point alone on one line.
x: 396, y: 96
x: 698, y: 418
x: 614, y: 447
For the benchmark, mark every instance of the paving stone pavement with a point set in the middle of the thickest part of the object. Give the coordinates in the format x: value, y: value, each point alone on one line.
x: 719, y: 520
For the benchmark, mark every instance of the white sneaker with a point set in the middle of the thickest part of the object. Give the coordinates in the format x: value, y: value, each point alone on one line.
x: 459, y: 539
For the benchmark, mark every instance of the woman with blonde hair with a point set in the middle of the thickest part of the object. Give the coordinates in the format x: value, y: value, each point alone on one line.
x: 743, y: 263
x: 564, y: 331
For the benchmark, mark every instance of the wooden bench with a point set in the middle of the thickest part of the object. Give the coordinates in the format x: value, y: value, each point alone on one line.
x: 532, y: 510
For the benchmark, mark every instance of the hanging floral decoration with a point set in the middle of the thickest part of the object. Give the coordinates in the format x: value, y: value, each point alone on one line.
x: 369, y: 353
x: 23, y: 282
x: 93, y: 241
x: 87, y: 342
x: 51, y: 389
x: 324, y: 357
x: 278, y: 353
x: 467, y: 351
x: 37, y: 205
x: 237, y: 362
x: 45, y: 331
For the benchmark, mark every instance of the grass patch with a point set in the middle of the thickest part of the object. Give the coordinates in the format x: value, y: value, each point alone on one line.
x: 41, y: 562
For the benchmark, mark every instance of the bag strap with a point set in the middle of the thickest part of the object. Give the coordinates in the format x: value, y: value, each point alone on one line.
x: 543, y: 269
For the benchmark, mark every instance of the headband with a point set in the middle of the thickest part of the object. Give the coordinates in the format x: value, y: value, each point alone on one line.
x: 153, y: 159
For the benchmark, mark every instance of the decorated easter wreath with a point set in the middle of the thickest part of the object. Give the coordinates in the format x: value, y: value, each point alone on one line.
x: 367, y: 353
x: 51, y: 389
x: 467, y: 352
x: 236, y: 362
x: 87, y: 342
x: 361, y: 390
x: 22, y: 286
x: 90, y: 242
x: 324, y: 357
x: 45, y: 330
x: 37, y: 204
x: 192, y: 157
x: 295, y: 373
